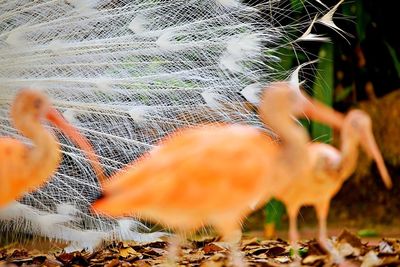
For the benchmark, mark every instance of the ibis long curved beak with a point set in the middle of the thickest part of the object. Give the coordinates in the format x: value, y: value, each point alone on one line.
x: 368, y: 143
x: 304, y: 106
x: 81, y: 141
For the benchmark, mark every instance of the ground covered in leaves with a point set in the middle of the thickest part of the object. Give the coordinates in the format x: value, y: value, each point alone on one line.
x: 212, y: 252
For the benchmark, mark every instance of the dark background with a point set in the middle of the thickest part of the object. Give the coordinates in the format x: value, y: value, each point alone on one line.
x: 366, y: 75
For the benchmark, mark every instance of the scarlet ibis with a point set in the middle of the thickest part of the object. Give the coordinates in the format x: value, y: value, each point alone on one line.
x: 24, y: 168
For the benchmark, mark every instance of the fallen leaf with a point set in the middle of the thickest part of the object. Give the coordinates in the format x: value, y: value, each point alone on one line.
x: 314, y: 259
x: 51, y: 263
x: 19, y: 254
x: 351, y: 239
x: 196, y: 257
x: 214, y: 247
x: 394, y: 243
x: 370, y: 259
x: 217, y: 257
x: 112, y: 263
x: 390, y: 261
x: 257, y: 251
x: 276, y: 251
x: 212, y: 264
x: 201, y: 241
x: 282, y: 259
x: 128, y: 252
x: 65, y: 258
x: 314, y: 248
x: 142, y: 263
x: 345, y: 250
x: 73, y: 258
x: 384, y: 247
x: 251, y: 242
x: 39, y: 259
x: 154, y: 251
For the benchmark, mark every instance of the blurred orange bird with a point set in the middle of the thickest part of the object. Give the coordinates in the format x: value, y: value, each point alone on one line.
x: 24, y: 168
x: 211, y: 174
x: 331, y: 167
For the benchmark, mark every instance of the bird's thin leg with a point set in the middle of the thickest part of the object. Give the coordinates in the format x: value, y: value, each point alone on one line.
x: 232, y: 234
x: 174, y: 248
x: 293, y: 210
x: 322, y: 209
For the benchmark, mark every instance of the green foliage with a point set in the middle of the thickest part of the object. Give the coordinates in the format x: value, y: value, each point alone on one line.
x: 367, y: 233
x: 323, y: 90
x: 395, y: 58
x: 302, y: 252
x: 362, y: 18
x: 297, y: 5
x: 274, y: 210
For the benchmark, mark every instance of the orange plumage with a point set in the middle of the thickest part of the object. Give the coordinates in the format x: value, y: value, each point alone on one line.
x: 209, y: 175
x: 212, y: 174
x: 190, y: 179
x: 24, y: 168
x: 330, y: 168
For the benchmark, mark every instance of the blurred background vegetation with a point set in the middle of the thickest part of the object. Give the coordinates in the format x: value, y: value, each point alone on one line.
x: 360, y: 68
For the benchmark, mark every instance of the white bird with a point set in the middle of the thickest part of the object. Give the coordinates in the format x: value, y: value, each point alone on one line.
x: 126, y: 73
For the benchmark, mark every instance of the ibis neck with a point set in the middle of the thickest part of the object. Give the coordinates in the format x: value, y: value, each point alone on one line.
x: 44, y: 157
x: 349, y: 151
x: 293, y: 136
x: 288, y: 130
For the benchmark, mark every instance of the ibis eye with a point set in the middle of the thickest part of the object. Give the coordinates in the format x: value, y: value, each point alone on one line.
x: 356, y: 124
x: 37, y: 103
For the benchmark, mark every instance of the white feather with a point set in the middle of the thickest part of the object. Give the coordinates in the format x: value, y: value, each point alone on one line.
x: 228, y: 3
x: 210, y: 99
x: 238, y: 50
x: 138, y: 24
x: 84, y: 7
x: 308, y: 36
x: 327, y: 19
x: 127, y: 73
x: 69, y: 115
x: 57, y: 47
x: 16, y: 38
x: 165, y: 41
x: 251, y: 93
x: 294, y: 76
x: 138, y: 113
x: 67, y: 209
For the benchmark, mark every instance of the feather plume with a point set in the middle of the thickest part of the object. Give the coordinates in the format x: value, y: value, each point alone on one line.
x: 126, y: 73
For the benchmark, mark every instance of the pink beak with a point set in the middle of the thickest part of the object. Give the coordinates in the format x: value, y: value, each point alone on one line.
x: 321, y: 113
x: 368, y: 143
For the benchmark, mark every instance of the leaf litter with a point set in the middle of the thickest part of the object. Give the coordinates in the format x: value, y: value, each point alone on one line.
x: 211, y: 252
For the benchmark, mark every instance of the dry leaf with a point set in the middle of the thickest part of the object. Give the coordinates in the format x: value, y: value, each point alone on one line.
x: 345, y: 250
x: 214, y: 247
x: 112, y: 263
x: 212, y: 264
x: 282, y: 259
x: 129, y: 252
x: 385, y: 248
x: 347, y: 237
x: 395, y: 243
x: 258, y: 253
x: 313, y: 259
x: 276, y: 251
x: 370, y: 259
x: 251, y: 242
